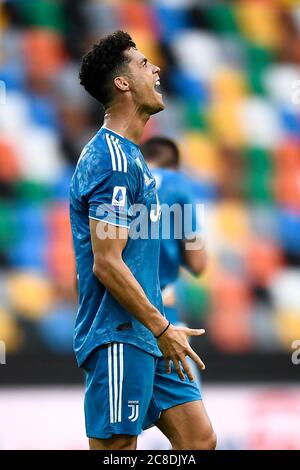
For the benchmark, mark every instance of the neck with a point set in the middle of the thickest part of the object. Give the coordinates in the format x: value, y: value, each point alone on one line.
x: 127, y: 121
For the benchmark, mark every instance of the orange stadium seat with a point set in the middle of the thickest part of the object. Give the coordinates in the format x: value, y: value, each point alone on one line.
x: 9, y: 167
x: 44, y: 52
x: 263, y: 259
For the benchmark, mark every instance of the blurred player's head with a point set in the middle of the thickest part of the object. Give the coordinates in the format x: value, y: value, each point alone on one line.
x: 115, y: 72
x: 161, y: 152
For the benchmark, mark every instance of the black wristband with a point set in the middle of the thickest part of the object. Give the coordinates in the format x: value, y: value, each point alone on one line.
x: 163, y: 331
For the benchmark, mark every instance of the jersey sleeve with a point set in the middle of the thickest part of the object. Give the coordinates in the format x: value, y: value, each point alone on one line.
x: 112, y: 198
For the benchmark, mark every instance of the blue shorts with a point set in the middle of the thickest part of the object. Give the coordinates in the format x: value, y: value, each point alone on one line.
x: 127, y: 389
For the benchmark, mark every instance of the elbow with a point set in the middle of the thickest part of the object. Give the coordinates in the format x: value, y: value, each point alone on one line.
x: 102, y: 269
x: 198, y: 263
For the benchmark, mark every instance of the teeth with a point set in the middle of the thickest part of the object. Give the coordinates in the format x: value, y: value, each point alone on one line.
x: 157, y: 83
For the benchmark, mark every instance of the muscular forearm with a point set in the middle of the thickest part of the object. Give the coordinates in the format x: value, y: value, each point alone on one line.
x: 119, y: 280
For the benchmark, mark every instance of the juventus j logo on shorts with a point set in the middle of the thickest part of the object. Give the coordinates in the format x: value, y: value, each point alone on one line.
x: 134, y: 405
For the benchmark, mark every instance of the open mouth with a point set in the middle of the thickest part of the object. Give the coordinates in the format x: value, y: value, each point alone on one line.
x: 157, y: 86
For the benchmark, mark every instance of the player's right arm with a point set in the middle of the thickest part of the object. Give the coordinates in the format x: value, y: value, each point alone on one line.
x: 111, y: 270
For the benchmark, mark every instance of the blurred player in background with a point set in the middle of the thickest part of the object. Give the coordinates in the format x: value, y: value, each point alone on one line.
x: 122, y: 339
x: 174, y: 187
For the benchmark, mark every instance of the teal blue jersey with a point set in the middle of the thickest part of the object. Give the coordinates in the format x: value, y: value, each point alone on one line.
x: 110, y: 182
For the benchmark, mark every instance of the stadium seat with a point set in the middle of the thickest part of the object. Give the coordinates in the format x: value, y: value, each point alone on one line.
x: 189, y: 87
x: 198, y: 53
x: 288, y: 326
x: 8, y: 225
x: 264, y: 259
x: 289, y: 230
x: 46, y: 14
x: 287, y: 156
x: 232, y: 221
x: 30, y: 294
x: 230, y: 330
x: 221, y: 17
x: 284, y: 290
x: 201, y: 153
x: 229, y: 290
x: 278, y: 81
x: 136, y: 15
x: 44, y: 53
x: 193, y: 301
x: 260, y: 123
x: 259, y: 22
x: 56, y: 328
x: 258, y: 61
x: 228, y: 85
x: 225, y: 122
x: 287, y: 189
x: 290, y: 121
x: 171, y: 20
x: 264, y: 222
x: 9, y: 166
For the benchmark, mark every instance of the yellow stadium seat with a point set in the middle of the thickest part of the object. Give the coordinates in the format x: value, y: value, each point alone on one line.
x: 288, y: 326
x: 224, y: 119
x: 30, y: 294
x: 260, y: 22
x: 200, y: 152
x: 228, y: 84
x: 232, y: 224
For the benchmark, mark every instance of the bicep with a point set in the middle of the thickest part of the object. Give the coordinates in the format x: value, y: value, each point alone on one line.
x: 108, y: 241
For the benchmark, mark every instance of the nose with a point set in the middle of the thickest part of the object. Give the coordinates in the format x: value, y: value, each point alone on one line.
x: 156, y: 69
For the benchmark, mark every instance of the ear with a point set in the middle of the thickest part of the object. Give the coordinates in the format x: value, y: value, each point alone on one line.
x: 121, y: 83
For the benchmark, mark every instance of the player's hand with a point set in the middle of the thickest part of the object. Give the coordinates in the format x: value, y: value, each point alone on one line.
x: 175, y: 347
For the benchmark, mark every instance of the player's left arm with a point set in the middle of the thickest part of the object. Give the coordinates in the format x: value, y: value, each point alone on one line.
x: 193, y: 246
x: 194, y: 255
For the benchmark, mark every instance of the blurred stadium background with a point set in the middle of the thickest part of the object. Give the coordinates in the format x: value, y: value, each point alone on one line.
x: 231, y: 80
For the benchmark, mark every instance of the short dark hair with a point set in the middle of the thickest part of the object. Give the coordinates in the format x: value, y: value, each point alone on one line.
x: 152, y: 151
x: 102, y: 63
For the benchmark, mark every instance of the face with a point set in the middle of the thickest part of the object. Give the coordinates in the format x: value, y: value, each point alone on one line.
x: 144, y: 83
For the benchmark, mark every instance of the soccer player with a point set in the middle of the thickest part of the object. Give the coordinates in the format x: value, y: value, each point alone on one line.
x: 134, y: 360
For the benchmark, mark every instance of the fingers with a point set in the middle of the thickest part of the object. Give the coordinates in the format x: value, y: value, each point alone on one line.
x: 168, y: 366
x: 187, y: 369
x: 180, y: 364
x: 196, y: 359
x: 194, y: 332
x: 178, y: 369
